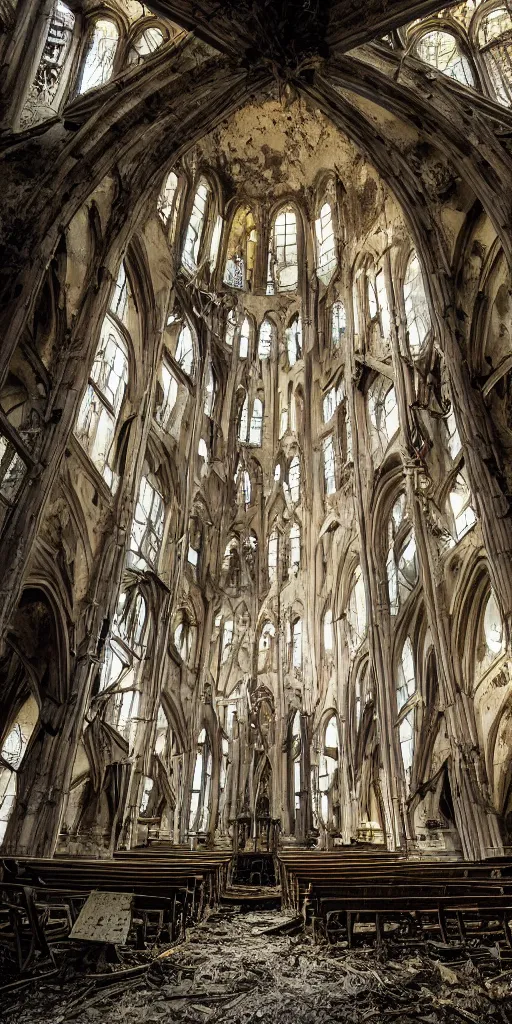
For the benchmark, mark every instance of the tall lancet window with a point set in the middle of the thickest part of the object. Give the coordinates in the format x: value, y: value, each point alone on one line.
x: 100, y: 56
x: 283, y: 269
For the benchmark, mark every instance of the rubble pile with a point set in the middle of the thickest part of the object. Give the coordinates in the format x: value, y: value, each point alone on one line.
x: 260, y: 968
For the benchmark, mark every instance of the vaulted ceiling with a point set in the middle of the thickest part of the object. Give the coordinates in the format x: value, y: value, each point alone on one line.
x: 291, y: 34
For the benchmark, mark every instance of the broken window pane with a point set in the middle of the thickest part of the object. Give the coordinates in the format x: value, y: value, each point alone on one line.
x: 46, y: 89
x: 149, y: 40
x: 100, y: 56
x: 442, y: 51
x: 147, y: 528
x: 416, y: 307
x: 383, y: 412
x: 184, y: 355
x: 464, y: 516
x: 12, y: 471
x: 191, y: 248
x: 338, y: 323
x: 495, y: 40
x: 294, y: 479
x: 283, y: 253
x: 101, y: 404
x: 326, y: 248
x: 167, y: 197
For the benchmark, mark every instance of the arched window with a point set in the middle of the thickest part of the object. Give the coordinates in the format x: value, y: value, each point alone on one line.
x: 241, y: 252
x: 493, y: 626
x: 210, y: 390
x: 100, y: 56
x: 357, y: 619
x: 405, y: 690
x: 295, y: 758
x: 417, y: 313
x: 99, y: 412
x: 402, y: 561
x: 378, y: 306
x: 147, y: 528
x: 294, y: 479
x: 167, y: 199
x: 329, y: 464
x: 200, y: 798
x: 383, y: 412
x: 49, y: 82
x: 246, y: 488
x: 195, y: 229
x: 145, y: 43
x: 266, y: 335
x: 294, y: 340
x: 12, y: 752
x: 245, y: 336
x: 273, y: 556
x: 243, y: 426
x: 462, y: 511
x: 296, y: 643
x: 442, y: 51
x: 325, y: 244
x: 495, y: 41
x: 166, y: 396
x: 327, y: 768
x: 338, y: 323
x: 184, y: 635
x: 184, y: 355
x: 256, y: 427
x: 334, y: 397
x: 125, y: 646
x: 294, y: 549
x: 283, y: 253
x: 328, y: 634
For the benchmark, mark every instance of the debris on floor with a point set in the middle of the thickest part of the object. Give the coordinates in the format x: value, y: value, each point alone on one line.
x: 254, y: 968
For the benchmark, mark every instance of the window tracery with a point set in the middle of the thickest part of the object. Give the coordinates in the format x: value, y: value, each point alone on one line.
x: 338, y: 323
x: 383, y: 412
x: 195, y: 227
x: 147, y: 527
x: 100, y: 56
x: 495, y: 41
x: 150, y: 39
x: 442, y: 51
x: 47, y: 86
x: 405, y: 690
x: 402, y: 562
x: 184, y: 355
x: 460, y: 502
x: 101, y: 405
x: 294, y: 549
x: 417, y: 314
x: 283, y: 266
x: 325, y: 244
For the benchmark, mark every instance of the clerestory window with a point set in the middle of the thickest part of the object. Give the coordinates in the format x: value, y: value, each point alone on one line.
x: 100, y: 56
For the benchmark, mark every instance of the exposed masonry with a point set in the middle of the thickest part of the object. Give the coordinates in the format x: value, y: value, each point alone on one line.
x: 255, y: 427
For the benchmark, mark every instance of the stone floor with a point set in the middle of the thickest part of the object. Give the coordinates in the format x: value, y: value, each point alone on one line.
x: 235, y: 968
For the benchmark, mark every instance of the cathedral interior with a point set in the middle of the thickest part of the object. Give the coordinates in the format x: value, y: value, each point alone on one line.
x: 256, y: 461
